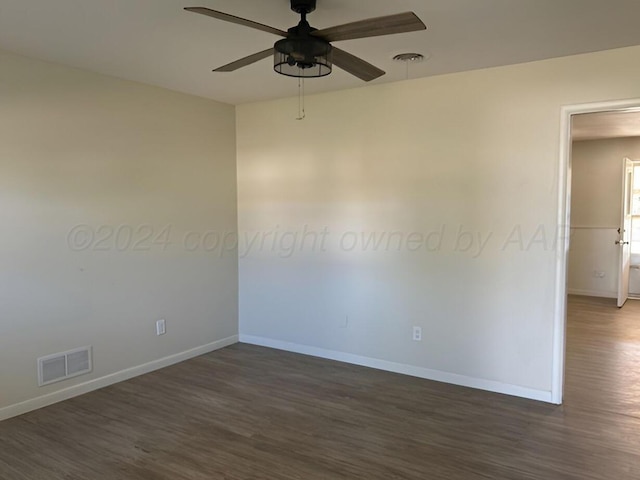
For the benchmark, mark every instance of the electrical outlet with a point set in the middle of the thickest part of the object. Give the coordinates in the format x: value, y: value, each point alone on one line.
x: 598, y: 274
x: 417, y: 334
x: 161, y: 327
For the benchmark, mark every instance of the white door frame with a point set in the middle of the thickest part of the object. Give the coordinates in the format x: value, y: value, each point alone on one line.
x: 564, y: 231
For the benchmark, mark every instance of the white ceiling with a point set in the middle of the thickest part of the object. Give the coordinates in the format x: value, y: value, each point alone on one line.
x: 597, y: 126
x: 156, y: 42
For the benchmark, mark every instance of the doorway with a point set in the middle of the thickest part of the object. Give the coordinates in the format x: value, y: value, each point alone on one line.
x: 565, y: 228
x: 602, y: 213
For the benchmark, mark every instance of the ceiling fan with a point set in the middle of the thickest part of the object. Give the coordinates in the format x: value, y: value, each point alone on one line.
x: 307, y: 52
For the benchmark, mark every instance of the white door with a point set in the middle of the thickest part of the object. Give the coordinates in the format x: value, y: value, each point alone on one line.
x: 624, y: 242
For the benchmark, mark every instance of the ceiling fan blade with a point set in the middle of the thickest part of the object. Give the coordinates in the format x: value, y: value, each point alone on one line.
x: 373, y: 27
x: 233, y: 19
x: 243, y: 62
x: 356, y: 66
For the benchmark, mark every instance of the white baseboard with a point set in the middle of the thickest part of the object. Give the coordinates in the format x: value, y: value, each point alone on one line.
x: 592, y: 293
x: 121, y: 376
x: 428, y: 374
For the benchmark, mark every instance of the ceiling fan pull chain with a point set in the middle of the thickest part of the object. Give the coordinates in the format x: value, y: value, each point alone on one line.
x: 301, y: 112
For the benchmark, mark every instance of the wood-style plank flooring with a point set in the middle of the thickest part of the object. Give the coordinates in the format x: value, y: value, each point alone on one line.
x: 249, y: 413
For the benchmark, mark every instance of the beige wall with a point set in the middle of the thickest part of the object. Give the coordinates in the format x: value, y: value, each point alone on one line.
x: 78, y: 148
x: 455, y: 176
x: 472, y: 152
x: 596, y: 195
x: 596, y: 187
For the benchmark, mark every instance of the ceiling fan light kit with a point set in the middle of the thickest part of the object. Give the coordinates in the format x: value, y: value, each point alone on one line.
x: 308, y: 59
x: 307, y: 52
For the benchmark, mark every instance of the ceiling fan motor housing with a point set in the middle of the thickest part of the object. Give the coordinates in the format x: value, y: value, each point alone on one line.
x: 303, y: 6
x: 302, y: 54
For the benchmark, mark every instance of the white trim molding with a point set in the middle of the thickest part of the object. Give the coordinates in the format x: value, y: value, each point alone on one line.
x: 592, y: 293
x: 564, y: 217
x: 117, y: 377
x: 428, y: 374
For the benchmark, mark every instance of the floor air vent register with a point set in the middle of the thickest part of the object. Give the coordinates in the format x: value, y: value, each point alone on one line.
x: 62, y: 366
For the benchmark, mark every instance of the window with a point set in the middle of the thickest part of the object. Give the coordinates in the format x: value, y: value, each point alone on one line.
x: 635, y: 195
x: 635, y: 210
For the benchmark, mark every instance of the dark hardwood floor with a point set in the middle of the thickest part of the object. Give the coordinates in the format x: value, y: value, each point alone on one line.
x: 251, y: 413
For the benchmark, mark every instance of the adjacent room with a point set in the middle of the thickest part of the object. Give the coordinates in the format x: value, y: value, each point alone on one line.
x: 317, y: 240
x: 605, y: 194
